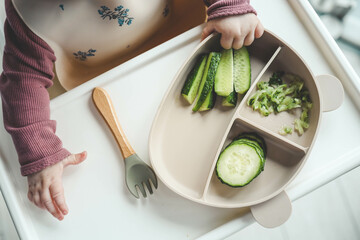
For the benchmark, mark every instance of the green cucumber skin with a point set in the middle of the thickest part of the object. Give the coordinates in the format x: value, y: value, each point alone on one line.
x: 224, y: 75
x: 250, y: 139
x: 251, y: 142
x: 207, y: 82
x: 242, y: 70
x: 255, y: 137
x: 231, y: 185
x: 192, y: 83
x: 257, y: 148
x: 231, y: 100
x: 256, y: 140
x: 209, y: 102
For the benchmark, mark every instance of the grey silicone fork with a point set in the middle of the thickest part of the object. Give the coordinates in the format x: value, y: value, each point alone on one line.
x: 137, y: 173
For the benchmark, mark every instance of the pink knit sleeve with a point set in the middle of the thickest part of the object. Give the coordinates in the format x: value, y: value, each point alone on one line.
x: 27, y: 72
x: 224, y: 8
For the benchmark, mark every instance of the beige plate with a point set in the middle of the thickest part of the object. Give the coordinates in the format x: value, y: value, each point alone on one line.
x: 184, y: 146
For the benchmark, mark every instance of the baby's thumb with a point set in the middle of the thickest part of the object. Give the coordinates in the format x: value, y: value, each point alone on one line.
x: 208, y: 29
x: 74, y: 159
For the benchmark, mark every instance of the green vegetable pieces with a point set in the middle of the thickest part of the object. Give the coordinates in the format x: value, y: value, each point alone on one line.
x: 226, y: 74
x: 242, y: 160
x: 205, y: 94
x: 283, y: 92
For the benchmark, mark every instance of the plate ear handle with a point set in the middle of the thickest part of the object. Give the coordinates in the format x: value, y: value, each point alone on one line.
x: 331, y: 92
x: 274, y: 212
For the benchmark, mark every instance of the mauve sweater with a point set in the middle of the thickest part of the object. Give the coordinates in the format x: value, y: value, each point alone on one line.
x: 28, y: 72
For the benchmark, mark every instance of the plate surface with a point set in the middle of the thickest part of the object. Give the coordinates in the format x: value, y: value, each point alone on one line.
x: 184, y: 146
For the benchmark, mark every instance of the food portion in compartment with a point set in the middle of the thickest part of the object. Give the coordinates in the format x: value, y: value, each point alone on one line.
x: 224, y: 84
x: 226, y: 74
x: 242, y: 160
x: 206, y: 97
x: 283, y: 92
x: 191, y: 86
x: 242, y: 72
x: 231, y: 100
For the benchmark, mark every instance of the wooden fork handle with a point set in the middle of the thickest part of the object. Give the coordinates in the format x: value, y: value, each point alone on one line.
x: 104, y: 105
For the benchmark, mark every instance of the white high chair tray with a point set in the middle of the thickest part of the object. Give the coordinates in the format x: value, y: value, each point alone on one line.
x: 100, y: 205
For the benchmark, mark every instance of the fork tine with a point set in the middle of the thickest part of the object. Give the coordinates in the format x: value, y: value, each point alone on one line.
x: 148, y: 185
x: 142, y: 190
x: 153, y: 179
x: 133, y: 190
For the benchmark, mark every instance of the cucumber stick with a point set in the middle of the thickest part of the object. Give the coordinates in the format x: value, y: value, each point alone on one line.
x: 242, y: 160
x: 224, y: 75
x: 230, y: 100
x: 207, y: 81
x: 209, y: 102
x: 192, y: 83
x: 242, y: 70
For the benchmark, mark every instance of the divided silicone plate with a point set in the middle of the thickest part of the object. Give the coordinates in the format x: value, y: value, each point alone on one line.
x: 184, y: 146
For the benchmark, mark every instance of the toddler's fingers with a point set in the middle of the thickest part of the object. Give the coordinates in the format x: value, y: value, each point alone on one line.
x: 208, y: 29
x: 57, y: 195
x: 30, y: 196
x: 259, y: 30
x: 75, y: 159
x: 238, y: 42
x: 49, y: 205
x: 226, y: 41
x: 37, y: 200
x: 249, y: 38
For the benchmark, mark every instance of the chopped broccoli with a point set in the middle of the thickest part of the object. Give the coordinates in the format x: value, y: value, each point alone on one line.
x: 277, y: 96
x: 288, y: 103
x: 286, y: 130
x: 275, y: 79
x: 298, y: 126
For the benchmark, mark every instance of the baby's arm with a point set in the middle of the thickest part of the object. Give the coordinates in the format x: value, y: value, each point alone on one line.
x: 27, y: 72
x: 236, y: 20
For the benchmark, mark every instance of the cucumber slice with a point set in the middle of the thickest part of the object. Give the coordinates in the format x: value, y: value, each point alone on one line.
x: 192, y: 83
x: 207, y: 81
x: 255, y: 137
x: 242, y: 70
x: 231, y: 100
x: 256, y: 146
x: 224, y: 84
x: 238, y: 164
x: 209, y: 102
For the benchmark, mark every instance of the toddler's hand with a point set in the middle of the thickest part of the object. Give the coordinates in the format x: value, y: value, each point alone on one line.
x: 46, y: 189
x: 236, y: 31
